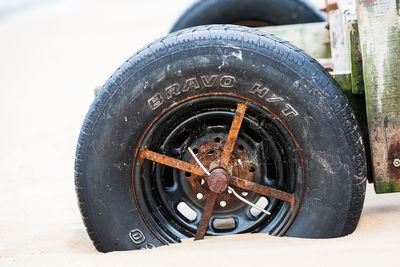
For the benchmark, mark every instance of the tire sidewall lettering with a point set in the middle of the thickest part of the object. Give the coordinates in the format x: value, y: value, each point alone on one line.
x: 195, y: 84
x: 139, y: 238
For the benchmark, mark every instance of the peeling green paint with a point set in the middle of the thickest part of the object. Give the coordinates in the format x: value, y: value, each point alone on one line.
x: 387, y: 187
x: 355, y: 58
x: 344, y: 80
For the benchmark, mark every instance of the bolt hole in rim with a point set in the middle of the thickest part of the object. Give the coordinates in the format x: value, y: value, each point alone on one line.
x: 275, y: 155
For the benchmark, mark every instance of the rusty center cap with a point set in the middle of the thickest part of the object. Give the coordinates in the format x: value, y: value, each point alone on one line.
x: 209, y: 153
x: 218, y: 180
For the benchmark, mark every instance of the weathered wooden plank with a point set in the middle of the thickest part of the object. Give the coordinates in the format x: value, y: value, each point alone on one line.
x: 311, y: 37
x: 336, y: 33
x: 345, y: 44
x: 379, y: 29
x: 353, y: 51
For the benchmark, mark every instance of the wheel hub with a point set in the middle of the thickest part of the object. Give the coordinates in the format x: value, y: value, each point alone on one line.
x: 218, y: 180
x: 240, y: 165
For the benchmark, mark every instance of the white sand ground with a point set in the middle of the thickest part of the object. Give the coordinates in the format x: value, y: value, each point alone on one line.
x: 51, y: 58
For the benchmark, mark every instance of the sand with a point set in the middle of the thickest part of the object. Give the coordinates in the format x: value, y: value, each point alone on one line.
x: 52, y: 56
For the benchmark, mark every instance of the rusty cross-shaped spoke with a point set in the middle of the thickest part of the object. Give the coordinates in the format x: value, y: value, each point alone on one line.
x: 233, y: 134
x: 224, y: 161
x: 206, y: 215
x: 262, y: 189
x: 174, y: 163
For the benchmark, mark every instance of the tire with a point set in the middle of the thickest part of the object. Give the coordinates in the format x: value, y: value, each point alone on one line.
x: 299, y: 135
x: 248, y: 13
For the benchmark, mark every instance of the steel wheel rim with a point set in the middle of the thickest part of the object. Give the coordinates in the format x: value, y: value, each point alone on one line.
x: 160, y: 211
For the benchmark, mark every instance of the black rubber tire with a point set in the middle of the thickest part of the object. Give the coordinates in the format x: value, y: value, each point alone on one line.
x: 325, y: 129
x: 271, y: 12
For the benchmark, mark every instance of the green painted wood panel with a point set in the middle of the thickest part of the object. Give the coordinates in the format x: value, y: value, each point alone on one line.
x: 379, y: 29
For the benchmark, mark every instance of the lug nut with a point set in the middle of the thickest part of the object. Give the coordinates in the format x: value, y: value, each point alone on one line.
x: 396, y: 162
